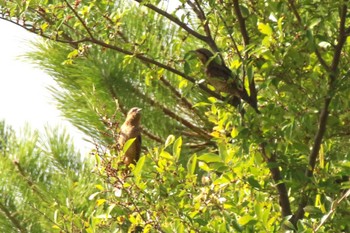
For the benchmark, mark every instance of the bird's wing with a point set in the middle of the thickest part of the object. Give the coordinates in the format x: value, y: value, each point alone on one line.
x: 219, y: 72
x: 138, y: 143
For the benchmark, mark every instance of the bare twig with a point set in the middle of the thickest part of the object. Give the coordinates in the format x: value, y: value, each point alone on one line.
x: 332, y: 210
x: 174, y: 20
x: 173, y: 115
x: 80, y: 19
x: 196, y: 7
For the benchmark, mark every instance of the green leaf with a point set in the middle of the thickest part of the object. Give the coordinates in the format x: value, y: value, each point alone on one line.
x: 92, y: 196
x: 312, y: 209
x: 265, y: 29
x: 177, y: 148
x: 253, y: 182
x: 245, y: 220
x: 191, y: 164
x: 210, y: 158
x: 203, y: 166
x: 166, y: 155
x: 170, y: 139
x: 128, y: 144
x: 139, y: 165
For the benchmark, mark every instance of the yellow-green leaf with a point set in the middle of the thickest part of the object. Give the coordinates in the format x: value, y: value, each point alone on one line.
x: 265, y: 29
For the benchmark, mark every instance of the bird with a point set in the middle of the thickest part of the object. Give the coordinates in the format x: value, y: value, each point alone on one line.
x: 220, y: 76
x: 131, y: 129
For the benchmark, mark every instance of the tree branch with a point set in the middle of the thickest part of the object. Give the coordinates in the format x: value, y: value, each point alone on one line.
x: 300, y: 22
x: 322, y: 125
x: 201, y: 16
x: 183, y: 100
x: 277, y: 178
x: 174, y: 20
x: 295, y: 11
x: 241, y: 22
x: 159, y: 64
x: 141, y: 57
x: 171, y: 114
x: 16, y: 223
x: 80, y: 19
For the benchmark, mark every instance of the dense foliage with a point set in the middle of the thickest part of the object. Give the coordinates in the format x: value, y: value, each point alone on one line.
x: 206, y: 167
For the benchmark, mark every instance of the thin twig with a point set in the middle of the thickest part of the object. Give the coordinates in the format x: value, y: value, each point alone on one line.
x: 196, y: 7
x: 80, y: 19
x: 303, y: 27
x: 231, y: 37
x: 174, y: 20
x: 173, y: 115
x: 183, y: 100
x: 332, y: 210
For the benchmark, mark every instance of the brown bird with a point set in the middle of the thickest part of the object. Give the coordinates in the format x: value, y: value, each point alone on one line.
x: 219, y: 76
x: 131, y: 129
x: 222, y: 79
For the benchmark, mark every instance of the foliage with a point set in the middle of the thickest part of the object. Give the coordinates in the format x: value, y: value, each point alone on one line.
x: 283, y: 168
x: 45, y: 184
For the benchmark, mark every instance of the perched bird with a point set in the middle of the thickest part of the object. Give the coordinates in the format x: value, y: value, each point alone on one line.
x: 131, y: 129
x: 219, y: 76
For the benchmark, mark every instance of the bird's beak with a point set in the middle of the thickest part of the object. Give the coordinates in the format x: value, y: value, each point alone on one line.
x: 139, y: 110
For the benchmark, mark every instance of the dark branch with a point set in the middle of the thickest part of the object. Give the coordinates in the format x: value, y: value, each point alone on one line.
x: 280, y: 185
x: 174, y: 116
x: 295, y: 12
x: 322, y: 125
x: 241, y: 22
x: 201, y: 16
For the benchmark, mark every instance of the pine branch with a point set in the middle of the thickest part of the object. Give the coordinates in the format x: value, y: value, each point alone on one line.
x: 15, y: 222
x: 139, y: 56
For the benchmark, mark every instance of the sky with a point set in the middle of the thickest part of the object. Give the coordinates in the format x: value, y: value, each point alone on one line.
x: 24, y: 97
